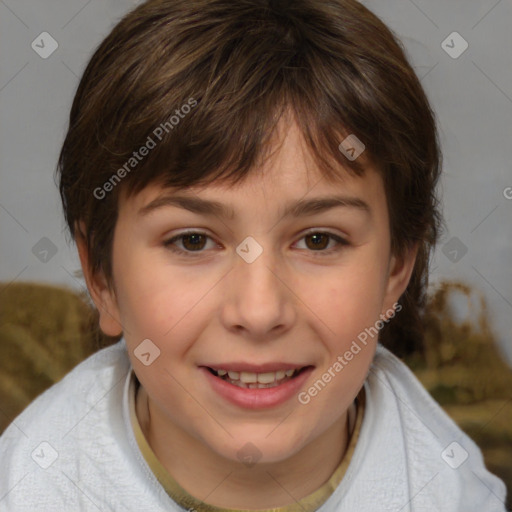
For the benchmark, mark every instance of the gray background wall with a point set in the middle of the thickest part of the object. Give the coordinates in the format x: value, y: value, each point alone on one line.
x: 471, y: 92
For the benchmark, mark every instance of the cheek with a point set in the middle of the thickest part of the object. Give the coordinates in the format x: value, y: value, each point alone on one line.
x: 144, y: 296
x: 162, y: 302
x: 351, y: 299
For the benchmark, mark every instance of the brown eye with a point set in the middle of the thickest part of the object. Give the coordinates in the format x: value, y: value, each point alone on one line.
x: 318, y: 241
x: 193, y: 241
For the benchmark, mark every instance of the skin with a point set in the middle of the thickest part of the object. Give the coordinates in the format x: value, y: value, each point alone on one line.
x: 291, y: 304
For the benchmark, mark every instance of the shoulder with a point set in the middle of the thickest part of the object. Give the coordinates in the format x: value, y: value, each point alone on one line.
x: 74, y: 392
x: 441, y: 459
x: 45, y: 449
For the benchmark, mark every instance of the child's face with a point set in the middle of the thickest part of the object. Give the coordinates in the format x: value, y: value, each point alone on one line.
x: 301, y: 302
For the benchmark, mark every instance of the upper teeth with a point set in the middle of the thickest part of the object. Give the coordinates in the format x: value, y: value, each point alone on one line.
x: 252, y: 377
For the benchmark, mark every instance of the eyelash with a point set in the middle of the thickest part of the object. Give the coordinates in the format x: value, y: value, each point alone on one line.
x: 322, y: 252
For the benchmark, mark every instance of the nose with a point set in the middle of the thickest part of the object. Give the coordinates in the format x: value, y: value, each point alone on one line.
x: 258, y: 302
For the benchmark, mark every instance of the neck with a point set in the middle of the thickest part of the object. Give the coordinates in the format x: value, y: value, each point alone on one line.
x: 224, y: 483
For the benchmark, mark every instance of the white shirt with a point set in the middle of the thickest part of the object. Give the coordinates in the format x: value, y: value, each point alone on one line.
x: 73, y: 448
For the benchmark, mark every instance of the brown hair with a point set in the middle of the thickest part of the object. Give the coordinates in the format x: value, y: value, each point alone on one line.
x: 238, y: 66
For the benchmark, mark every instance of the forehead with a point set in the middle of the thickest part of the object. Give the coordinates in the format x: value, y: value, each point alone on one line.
x: 288, y: 174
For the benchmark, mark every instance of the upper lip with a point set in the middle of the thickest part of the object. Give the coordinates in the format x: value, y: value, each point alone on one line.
x: 255, y: 368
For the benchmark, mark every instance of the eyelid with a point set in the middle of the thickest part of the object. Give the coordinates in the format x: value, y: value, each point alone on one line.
x: 341, y: 241
x: 168, y: 243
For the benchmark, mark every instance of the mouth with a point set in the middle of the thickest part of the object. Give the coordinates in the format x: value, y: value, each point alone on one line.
x: 254, y: 380
x: 256, y: 387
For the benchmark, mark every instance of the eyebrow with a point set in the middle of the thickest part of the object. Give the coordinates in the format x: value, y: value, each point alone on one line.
x: 301, y: 208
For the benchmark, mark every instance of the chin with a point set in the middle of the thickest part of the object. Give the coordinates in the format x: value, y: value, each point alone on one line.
x: 260, y: 447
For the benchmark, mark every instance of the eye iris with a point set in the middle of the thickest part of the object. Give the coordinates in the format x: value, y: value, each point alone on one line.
x: 195, y: 241
x: 195, y: 237
x: 316, y: 238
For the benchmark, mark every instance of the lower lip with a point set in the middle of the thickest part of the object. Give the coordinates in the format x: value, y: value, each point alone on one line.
x: 257, y: 398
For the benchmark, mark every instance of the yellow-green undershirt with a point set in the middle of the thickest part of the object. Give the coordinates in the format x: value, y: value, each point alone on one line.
x: 308, y: 504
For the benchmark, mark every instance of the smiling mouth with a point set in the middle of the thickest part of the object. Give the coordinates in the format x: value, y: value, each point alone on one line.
x: 251, y: 380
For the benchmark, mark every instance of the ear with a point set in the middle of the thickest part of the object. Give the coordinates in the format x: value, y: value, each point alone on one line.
x: 102, y: 295
x: 399, y: 275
